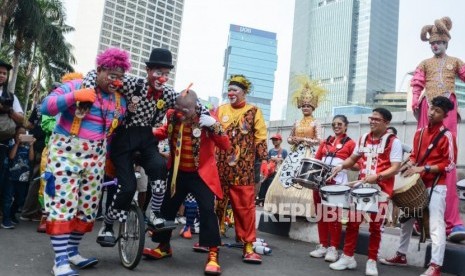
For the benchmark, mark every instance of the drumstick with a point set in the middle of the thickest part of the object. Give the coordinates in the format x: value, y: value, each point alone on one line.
x: 352, y: 183
x: 331, y: 177
x: 310, y: 172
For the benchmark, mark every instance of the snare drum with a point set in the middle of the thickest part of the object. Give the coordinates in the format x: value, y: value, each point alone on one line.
x: 461, y: 189
x: 365, y: 199
x: 410, y: 192
x: 335, y: 195
x: 312, y: 174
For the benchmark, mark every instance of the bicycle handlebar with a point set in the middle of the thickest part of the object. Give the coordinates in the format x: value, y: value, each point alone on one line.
x: 109, y: 183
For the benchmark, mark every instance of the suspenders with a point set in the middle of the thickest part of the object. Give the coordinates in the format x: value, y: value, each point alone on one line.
x: 76, y: 124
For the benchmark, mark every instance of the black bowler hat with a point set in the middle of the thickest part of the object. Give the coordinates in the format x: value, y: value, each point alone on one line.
x: 160, y: 57
x: 6, y: 65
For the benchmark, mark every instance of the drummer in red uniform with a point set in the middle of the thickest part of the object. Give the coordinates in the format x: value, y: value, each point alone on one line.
x: 380, y: 154
x: 332, y: 151
x: 433, y: 169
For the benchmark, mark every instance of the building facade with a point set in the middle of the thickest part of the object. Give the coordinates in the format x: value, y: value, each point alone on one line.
x: 253, y: 53
x: 394, y: 101
x: 137, y: 26
x: 350, y: 46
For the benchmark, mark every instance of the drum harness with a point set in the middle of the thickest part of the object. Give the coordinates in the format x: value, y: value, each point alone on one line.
x: 371, y: 153
x: 332, y: 154
x: 422, y: 221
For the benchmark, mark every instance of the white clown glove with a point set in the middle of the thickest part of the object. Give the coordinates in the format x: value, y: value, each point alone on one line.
x: 206, y: 120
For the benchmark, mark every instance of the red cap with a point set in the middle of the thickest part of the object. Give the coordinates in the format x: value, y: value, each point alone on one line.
x: 277, y: 136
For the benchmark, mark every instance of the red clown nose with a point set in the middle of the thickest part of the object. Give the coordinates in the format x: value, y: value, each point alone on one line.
x: 117, y: 83
x: 162, y: 79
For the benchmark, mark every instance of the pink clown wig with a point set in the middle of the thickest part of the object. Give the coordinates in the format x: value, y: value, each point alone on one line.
x: 114, y: 58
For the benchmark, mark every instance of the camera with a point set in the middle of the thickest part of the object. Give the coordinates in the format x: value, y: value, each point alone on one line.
x: 6, y: 102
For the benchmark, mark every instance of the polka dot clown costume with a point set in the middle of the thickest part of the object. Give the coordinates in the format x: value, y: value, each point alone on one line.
x: 76, y: 159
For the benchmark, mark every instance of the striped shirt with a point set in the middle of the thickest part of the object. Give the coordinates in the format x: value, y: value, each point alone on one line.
x: 186, y: 163
x: 96, y: 124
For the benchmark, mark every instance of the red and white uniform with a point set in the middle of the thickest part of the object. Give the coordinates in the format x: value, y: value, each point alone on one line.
x: 383, y: 152
x: 333, y: 151
x: 443, y: 155
x: 377, y: 155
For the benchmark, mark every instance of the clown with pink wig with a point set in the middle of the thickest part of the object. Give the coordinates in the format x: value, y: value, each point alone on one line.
x: 75, y: 165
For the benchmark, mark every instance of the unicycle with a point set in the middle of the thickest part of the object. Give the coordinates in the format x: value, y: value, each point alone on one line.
x: 131, y: 234
x: 131, y: 237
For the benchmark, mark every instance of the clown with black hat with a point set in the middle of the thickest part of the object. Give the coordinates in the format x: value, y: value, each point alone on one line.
x: 148, y: 101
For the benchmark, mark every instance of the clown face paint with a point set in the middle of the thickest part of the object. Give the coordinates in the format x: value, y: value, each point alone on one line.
x: 157, y: 77
x: 236, y: 95
x: 438, y: 47
x: 110, y: 80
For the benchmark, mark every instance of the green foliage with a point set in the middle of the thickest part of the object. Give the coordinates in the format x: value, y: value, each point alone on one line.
x: 33, y: 40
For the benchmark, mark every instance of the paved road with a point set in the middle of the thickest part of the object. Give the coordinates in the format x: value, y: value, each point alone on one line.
x: 26, y: 252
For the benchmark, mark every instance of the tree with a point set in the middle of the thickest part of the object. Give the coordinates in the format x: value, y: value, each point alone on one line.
x: 36, y: 29
x: 6, y: 10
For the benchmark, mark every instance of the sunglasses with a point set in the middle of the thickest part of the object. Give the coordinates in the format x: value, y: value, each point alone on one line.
x: 337, y: 124
x: 376, y: 120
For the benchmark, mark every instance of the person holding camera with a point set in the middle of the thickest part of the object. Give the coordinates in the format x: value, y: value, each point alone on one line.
x: 11, y: 114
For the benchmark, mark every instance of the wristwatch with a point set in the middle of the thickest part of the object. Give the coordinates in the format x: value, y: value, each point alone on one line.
x: 427, y: 168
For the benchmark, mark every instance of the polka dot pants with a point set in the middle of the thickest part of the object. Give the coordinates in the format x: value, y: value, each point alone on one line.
x: 78, y: 167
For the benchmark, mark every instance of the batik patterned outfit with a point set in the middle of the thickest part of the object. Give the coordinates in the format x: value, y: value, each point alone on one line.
x: 307, y: 128
x: 437, y: 77
x: 282, y: 190
x: 247, y: 132
x: 76, y: 158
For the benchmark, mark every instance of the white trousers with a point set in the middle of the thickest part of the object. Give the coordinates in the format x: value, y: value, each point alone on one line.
x: 437, y: 226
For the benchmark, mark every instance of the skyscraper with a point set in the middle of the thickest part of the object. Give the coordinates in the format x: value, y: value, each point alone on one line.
x: 137, y: 26
x: 350, y: 46
x: 252, y: 52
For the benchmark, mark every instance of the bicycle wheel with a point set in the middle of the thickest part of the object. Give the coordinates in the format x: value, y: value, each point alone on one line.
x: 132, y: 238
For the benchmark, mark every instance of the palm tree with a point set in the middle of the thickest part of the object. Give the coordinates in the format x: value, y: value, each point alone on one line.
x: 50, y: 52
x: 6, y: 11
x: 36, y: 30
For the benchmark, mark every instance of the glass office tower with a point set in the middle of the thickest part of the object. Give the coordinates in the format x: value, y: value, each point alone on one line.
x: 252, y: 53
x: 350, y: 46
